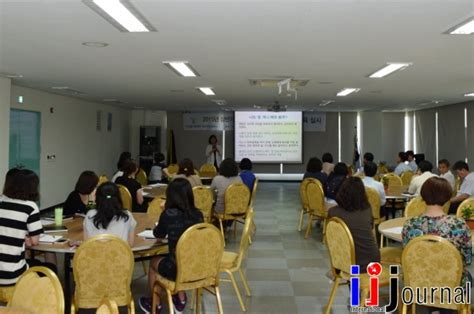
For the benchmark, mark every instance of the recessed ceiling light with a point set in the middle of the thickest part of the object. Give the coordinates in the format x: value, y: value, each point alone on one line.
x: 182, y: 68
x: 389, y: 69
x: 60, y: 87
x: 325, y: 102
x: 121, y: 14
x: 206, y: 91
x: 347, y: 91
x: 469, y: 95
x: 95, y: 44
x: 220, y: 102
x: 465, y: 28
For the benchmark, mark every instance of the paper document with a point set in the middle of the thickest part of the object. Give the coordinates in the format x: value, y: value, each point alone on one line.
x: 47, y: 222
x: 156, y: 185
x: 47, y: 238
x: 397, y: 230
x: 146, y: 234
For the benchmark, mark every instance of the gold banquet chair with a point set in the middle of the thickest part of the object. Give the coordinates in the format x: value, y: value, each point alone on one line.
x: 406, y: 177
x: 172, y: 169
x: 432, y: 261
x: 304, y: 201
x: 469, y: 202
x: 415, y: 207
x: 342, y: 256
x: 155, y: 206
x: 393, y: 179
x: 107, y: 307
x: 198, y: 257
x: 141, y: 177
x: 253, y: 227
x: 39, y: 295
x: 316, y: 207
x: 103, y: 268
x: 207, y: 170
x: 204, y: 200
x: 236, y: 204
x: 232, y: 262
x: 125, y: 196
x: 102, y: 179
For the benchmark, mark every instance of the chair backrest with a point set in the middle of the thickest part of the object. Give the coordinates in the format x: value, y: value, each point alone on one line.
x: 469, y: 202
x: 154, y: 207
x: 236, y: 199
x: 340, y: 245
x: 392, y: 179
x: 382, y: 169
x: 125, y: 196
x: 254, y: 193
x: 108, y: 307
x: 245, y: 239
x: 141, y: 177
x: 198, y: 256
x: 415, y: 207
x: 204, y: 200
x: 102, y: 267
x: 431, y: 261
x: 38, y: 294
x: 374, y: 201
x: 406, y: 177
x: 102, y: 179
x: 207, y: 170
x: 173, y: 168
x: 315, y: 195
x: 303, y: 195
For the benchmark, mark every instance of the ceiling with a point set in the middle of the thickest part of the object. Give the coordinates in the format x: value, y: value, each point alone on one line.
x: 338, y: 42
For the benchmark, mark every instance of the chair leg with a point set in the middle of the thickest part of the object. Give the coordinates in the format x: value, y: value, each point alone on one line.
x: 310, y: 225
x: 300, y: 224
x: 145, y: 270
x: 237, y: 290
x: 132, y: 306
x: 324, y: 230
x: 222, y: 230
x: 193, y: 299
x: 381, y: 240
x: 198, y: 301
x: 404, y: 308
x: 364, y: 295
x: 245, y: 282
x: 218, y: 300
x: 332, y: 295
x: 170, y: 301
x: 413, y: 308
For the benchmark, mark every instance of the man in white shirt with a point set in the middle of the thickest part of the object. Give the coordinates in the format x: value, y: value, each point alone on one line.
x: 424, y: 173
x: 402, y: 166
x: 368, y: 157
x: 370, y: 169
x: 467, y: 185
x: 444, y: 172
x: 411, y: 161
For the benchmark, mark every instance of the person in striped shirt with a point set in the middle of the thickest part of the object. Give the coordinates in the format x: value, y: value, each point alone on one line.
x: 20, y: 224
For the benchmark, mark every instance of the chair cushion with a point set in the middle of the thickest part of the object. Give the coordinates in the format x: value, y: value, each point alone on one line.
x: 391, y: 255
x: 228, y: 260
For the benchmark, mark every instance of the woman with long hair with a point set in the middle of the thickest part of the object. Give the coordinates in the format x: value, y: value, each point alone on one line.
x: 186, y: 171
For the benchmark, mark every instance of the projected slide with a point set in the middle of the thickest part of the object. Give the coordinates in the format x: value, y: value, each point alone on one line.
x: 269, y: 137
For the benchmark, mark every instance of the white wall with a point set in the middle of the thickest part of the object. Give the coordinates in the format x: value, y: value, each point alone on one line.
x: 4, y: 127
x: 146, y: 118
x: 70, y: 134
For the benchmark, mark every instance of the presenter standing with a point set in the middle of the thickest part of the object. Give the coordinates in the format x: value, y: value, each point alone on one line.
x: 214, y: 152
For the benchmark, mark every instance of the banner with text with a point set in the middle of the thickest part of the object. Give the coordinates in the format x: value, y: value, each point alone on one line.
x: 314, y: 121
x: 214, y: 121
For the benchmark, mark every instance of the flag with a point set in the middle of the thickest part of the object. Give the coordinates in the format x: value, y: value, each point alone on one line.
x: 171, y: 150
x: 356, y: 155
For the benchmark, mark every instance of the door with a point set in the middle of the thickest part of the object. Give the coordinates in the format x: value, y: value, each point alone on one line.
x: 25, y: 146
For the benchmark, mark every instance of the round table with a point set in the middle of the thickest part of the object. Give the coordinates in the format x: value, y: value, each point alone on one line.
x: 75, y: 232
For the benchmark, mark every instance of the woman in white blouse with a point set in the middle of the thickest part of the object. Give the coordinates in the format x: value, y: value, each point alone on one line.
x: 214, y: 152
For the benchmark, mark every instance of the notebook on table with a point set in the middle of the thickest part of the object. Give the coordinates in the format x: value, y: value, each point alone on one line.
x: 53, y: 228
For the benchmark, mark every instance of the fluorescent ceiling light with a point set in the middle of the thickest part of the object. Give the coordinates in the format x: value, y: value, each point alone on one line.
x: 121, y: 14
x: 325, y: 102
x: 182, y: 68
x: 389, y: 69
x: 465, y: 28
x: 207, y: 91
x: 347, y: 91
x: 469, y: 95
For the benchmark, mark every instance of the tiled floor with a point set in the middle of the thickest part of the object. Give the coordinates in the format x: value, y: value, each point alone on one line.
x: 286, y: 273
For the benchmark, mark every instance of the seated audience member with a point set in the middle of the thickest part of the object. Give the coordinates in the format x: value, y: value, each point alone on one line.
x: 186, y: 171
x: 370, y: 169
x: 335, y: 180
x: 228, y: 174
x: 354, y: 209
x: 135, y: 188
x: 246, y: 173
x: 368, y: 157
x: 109, y: 217
x: 444, y: 172
x: 20, y: 224
x: 125, y: 156
x: 179, y: 215
x: 83, y: 194
x: 314, y: 170
x: 328, y: 165
x: 401, y: 164
x: 424, y: 173
x: 411, y: 161
x: 436, y: 192
x: 466, y: 189
x: 156, y: 172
